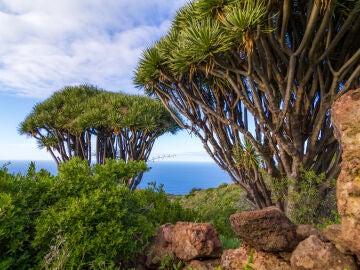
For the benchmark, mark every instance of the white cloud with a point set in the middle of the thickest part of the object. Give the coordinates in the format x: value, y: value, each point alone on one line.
x: 46, y: 45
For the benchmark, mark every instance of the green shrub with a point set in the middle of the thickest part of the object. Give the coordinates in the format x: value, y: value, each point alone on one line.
x: 215, y: 205
x: 21, y: 197
x: 160, y: 209
x: 193, y: 192
x: 311, y: 205
x: 84, y: 218
x: 93, y: 229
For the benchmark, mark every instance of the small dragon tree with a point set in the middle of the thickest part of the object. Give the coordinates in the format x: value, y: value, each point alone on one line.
x: 84, y: 121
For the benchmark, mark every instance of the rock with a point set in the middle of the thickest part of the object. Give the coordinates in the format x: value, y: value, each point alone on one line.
x: 314, y: 254
x: 267, y: 229
x: 203, y: 265
x: 345, y: 118
x: 160, y: 246
x: 350, y: 234
x: 285, y: 256
x: 303, y: 231
x: 232, y: 259
x: 184, y: 241
x: 236, y: 259
x: 196, y: 240
x: 333, y: 233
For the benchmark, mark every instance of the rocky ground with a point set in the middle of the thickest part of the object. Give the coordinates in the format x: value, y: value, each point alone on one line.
x: 270, y: 240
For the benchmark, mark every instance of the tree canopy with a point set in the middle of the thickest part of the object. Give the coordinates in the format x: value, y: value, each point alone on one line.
x: 262, y: 74
x: 84, y: 121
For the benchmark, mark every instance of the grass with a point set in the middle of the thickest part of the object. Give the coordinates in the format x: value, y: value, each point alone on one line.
x: 215, y: 205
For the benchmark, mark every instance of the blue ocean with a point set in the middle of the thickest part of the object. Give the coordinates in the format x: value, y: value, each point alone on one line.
x: 176, y: 177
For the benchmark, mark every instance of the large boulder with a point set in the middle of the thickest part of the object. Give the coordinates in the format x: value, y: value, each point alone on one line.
x: 267, y: 229
x: 160, y: 247
x: 333, y: 233
x: 236, y: 259
x: 196, y: 240
x: 312, y: 253
x: 184, y: 241
x: 345, y: 114
x: 303, y: 231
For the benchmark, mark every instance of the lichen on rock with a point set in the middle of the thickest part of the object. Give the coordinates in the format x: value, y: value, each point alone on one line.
x: 345, y: 116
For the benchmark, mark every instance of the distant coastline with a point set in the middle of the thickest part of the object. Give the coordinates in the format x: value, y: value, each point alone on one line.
x: 177, y: 177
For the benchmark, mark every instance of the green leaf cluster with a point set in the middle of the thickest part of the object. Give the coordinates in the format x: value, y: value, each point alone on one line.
x: 200, y: 30
x: 78, y: 108
x: 311, y: 204
x: 90, y: 123
x: 84, y: 218
x: 245, y: 155
x: 20, y: 197
x: 215, y: 205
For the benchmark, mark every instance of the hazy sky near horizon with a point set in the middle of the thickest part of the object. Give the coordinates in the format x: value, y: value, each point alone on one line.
x: 46, y: 45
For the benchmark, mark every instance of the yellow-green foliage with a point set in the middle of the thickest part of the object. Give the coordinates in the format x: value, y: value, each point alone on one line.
x: 311, y: 207
x: 215, y: 205
x: 84, y: 218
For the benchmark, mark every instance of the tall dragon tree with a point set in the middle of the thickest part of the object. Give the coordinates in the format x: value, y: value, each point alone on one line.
x: 95, y: 125
x: 259, y: 72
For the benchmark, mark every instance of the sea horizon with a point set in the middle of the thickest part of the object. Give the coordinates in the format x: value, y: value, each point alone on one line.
x: 177, y: 177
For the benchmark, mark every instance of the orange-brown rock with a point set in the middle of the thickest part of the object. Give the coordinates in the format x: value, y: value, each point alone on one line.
x: 333, y: 234
x: 203, y: 265
x: 160, y: 246
x: 196, y: 240
x: 267, y: 229
x: 345, y: 115
x: 184, y: 241
x: 303, y: 231
x: 314, y: 254
x: 236, y: 259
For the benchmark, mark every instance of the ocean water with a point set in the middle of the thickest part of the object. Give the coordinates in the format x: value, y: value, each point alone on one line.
x: 176, y: 177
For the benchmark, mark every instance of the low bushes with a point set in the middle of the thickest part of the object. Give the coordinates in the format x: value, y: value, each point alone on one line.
x: 314, y: 198
x: 84, y: 218
x: 215, y: 205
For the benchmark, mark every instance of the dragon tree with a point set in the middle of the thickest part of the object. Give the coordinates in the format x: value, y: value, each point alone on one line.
x: 255, y: 81
x: 87, y: 122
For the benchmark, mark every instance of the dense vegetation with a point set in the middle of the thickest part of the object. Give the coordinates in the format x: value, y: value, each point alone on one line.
x: 255, y: 81
x: 84, y: 121
x: 259, y: 73
x: 84, y: 218
x: 215, y: 205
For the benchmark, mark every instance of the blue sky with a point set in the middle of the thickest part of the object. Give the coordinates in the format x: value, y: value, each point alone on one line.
x: 46, y: 45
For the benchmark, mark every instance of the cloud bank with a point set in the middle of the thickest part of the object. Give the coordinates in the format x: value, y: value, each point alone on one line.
x: 45, y: 45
